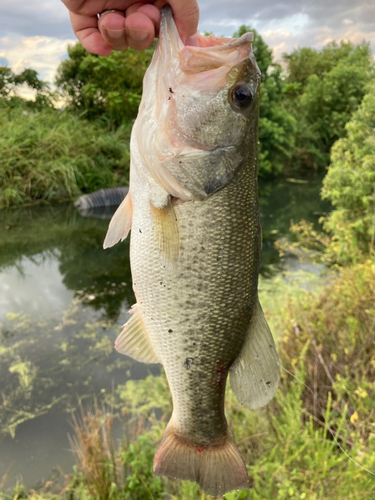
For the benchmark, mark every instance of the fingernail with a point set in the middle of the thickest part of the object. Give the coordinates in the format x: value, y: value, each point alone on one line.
x: 138, y: 35
x: 116, y: 34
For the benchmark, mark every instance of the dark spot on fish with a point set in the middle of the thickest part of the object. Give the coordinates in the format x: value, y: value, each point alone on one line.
x: 270, y: 345
x: 203, y: 248
x: 180, y: 162
x: 161, y: 282
x: 140, y: 230
x: 194, y: 343
x: 170, y: 330
x: 268, y: 383
x: 188, y: 362
x: 169, y: 98
x: 170, y: 90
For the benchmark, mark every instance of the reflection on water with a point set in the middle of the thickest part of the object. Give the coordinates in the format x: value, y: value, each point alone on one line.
x: 35, y: 286
x: 62, y: 301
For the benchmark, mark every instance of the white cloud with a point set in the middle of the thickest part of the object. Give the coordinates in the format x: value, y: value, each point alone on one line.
x: 41, y: 53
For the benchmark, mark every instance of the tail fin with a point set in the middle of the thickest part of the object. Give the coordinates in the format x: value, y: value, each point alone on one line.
x: 217, y: 469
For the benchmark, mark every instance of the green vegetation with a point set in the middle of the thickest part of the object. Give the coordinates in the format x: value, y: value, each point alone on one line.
x: 109, y: 88
x: 53, y: 155
x: 349, y: 185
x: 324, y: 89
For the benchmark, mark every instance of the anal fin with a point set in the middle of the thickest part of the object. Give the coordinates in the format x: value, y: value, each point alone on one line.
x: 120, y: 224
x: 134, y: 341
x: 255, y: 375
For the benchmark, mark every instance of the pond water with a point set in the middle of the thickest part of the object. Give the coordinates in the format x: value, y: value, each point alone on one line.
x: 63, y: 300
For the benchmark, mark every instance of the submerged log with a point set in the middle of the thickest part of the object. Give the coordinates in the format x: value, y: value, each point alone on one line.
x: 111, y: 197
x: 101, y: 204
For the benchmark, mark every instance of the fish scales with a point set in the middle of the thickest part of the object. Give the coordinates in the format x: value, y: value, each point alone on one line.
x: 207, y: 300
x: 195, y: 249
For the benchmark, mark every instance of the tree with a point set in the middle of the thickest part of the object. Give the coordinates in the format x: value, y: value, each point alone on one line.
x: 10, y: 83
x: 349, y: 185
x: 108, y: 87
x: 276, y: 125
x: 324, y: 89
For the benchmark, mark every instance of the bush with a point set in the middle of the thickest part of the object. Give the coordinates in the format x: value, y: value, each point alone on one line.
x: 349, y: 185
x: 53, y: 155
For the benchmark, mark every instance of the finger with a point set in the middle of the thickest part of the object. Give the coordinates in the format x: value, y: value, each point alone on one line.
x: 185, y: 14
x: 112, y: 27
x: 86, y: 30
x: 150, y: 11
x: 140, y: 31
x: 186, y: 17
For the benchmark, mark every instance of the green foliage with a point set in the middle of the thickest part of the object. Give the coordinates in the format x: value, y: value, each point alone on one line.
x: 53, y: 155
x: 349, y: 185
x: 137, y: 459
x: 104, y: 87
x: 324, y: 90
x: 10, y: 83
x: 276, y: 125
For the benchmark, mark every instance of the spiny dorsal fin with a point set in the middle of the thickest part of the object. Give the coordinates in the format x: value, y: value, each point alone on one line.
x: 255, y: 374
x: 134, y: 341
x: 166, y: 227
x: 120, y: 224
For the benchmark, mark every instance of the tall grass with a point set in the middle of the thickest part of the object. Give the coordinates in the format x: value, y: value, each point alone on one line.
x: 106, y: 471
x: 54, y: 155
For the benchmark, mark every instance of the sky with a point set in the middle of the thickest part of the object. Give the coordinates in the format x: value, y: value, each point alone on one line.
x: 35, y: 34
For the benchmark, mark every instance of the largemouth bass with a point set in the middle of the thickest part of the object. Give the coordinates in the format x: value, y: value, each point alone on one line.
x: 195, y: 249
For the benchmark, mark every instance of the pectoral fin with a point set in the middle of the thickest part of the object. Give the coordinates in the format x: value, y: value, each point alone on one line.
x: 120, y: 224
x: 166, y: 227
x: 255, y: 374
x: 134, y: 341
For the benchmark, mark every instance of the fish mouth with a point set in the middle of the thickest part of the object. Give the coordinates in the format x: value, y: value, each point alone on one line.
x: 201, y: 53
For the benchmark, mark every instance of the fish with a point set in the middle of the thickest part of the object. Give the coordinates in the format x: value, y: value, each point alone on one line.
x: 195, y: 248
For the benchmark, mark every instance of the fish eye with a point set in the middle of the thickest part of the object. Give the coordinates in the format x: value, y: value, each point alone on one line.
x: 240, y: 96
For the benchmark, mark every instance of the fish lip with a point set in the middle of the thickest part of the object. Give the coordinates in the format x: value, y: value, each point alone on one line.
x: 168, y: 29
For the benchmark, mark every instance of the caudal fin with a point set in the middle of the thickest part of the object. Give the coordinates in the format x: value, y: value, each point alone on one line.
x: 217, y: 469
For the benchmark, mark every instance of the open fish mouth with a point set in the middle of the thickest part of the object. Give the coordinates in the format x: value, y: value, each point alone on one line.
x: 201, y: 53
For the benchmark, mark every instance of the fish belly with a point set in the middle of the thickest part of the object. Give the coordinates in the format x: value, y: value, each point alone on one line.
x: 198, y: 311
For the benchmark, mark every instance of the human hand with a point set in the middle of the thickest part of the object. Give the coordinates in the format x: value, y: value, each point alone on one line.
x: 128, y: 23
